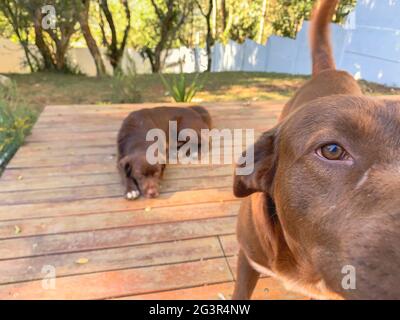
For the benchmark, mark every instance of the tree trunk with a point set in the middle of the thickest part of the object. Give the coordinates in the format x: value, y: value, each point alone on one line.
x: 90, y: 41
x: 224, y: 14
x: 214, y: 19
x: 209, y: 39
x: 262, y: 21
x: 40, y: 44
x: 115, y: 52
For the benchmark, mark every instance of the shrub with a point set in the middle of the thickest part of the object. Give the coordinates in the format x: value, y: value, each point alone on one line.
x: 125, y: 84
x: 180, y: 90
x: 16, y: 120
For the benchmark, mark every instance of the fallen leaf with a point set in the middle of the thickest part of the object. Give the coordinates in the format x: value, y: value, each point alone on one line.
x: 147, y: 209
x: 17, y: 230
x: 82, y: 261
x: 221, y: 296
x: 20, y: 177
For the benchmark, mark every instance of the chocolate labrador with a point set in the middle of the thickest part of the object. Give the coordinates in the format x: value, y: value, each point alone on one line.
x: 322, y: 206
x: 139, y: 175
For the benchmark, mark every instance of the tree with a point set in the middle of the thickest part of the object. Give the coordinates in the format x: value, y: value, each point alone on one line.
x: 170, y: 16
x: 287, y: 15
x: 224, y: 14
x: 209, y: 38
x: 115, y: 48
x: 52, y: 43
x: 83, y: 9
x: 262, y: 22
x: 239, y: 20
x: 18, y: 19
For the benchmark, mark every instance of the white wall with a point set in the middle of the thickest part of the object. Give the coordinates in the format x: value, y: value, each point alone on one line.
x: 11, y: 57
x: 372, y: 49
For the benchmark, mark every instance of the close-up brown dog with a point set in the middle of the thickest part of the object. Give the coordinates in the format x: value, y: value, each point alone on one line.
x: 324, y: 194
x: 137, y: 174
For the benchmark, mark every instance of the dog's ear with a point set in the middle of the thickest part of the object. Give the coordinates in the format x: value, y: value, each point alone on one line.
x: 125, y: 165
x: 261, y: 177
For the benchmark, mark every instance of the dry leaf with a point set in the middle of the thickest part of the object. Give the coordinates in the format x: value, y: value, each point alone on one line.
x: 82, y: 261
x: 17, y: 230
x: 20, y: 177
x: 147, y: 209
x: 221, y: 296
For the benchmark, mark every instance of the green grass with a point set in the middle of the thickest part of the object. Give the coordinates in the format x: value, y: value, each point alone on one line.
x: 16, y: 121
x: 42, y: 89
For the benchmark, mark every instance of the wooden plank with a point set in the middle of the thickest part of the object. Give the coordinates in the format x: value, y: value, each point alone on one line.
x: 90, y: 169
x: 109, y: 139
x: 27, y: 269
x: 67, y: 180
x: 75, y: 157
x: 84, y: 125
x: 229, y: 244
x: 112, y: 284
x: 112, y: 204
x: 87, y: 123
x: 118, y: 114
x: 266, y: 289
x: 219, y: 106
x: 107, y: 190
x: 117, y: 237
x: 54, y: 225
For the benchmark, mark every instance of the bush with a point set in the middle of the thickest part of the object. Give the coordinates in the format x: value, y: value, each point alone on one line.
x: 125, y: 85
x: 180, y: 90
x: 16, y: 120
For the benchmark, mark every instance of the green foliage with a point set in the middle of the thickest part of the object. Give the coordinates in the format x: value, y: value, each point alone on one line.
x: 125, y: 83
x: 16, y: 120
x: 288, y: 15
x: 243, y: 20
x: 180, y: 89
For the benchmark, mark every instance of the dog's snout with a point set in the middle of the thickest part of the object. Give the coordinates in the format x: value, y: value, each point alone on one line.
x: 152, y: 193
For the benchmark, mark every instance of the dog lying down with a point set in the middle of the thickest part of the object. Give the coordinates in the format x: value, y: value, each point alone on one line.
x: 138, y: 175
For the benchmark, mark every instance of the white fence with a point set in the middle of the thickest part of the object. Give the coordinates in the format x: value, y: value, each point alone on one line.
x: 368, y: 47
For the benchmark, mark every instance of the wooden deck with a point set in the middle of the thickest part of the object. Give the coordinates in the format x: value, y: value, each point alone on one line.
x: 62, y: 207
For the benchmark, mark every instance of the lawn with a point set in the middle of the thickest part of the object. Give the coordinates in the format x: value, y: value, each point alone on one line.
x: 40, y: 89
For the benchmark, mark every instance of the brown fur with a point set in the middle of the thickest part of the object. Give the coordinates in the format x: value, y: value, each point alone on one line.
x: 321, y: 49
x: 137, y: 174
x: 304, y: 217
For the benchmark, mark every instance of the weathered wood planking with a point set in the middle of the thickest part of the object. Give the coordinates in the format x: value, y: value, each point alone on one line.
x: 61, y: 202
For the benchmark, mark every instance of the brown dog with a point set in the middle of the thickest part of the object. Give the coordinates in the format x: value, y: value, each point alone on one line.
x: 138, y: 175
x: 322, y: 206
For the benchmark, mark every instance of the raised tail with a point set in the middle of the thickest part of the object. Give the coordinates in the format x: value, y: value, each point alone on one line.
x: 320, y: 36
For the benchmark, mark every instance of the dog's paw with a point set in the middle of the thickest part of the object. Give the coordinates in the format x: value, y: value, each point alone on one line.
x: 132, y: 195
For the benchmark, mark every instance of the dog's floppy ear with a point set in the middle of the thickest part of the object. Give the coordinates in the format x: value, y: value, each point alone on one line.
x: 260, y: 178
x: 125, y: 165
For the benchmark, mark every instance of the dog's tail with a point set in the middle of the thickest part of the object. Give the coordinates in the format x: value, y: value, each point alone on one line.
x: 203, y: 113
x: 321, y: 48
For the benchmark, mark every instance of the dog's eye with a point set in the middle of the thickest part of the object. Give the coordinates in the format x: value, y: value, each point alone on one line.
x: 333, y: 151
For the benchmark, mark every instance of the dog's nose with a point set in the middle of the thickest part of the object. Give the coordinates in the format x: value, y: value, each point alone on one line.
x: 152, y: 193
